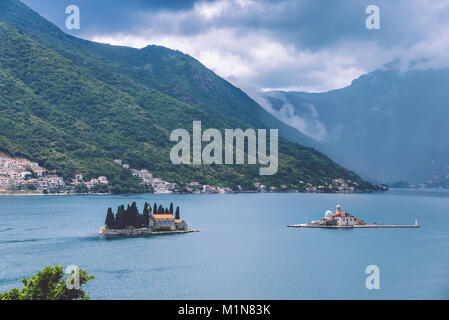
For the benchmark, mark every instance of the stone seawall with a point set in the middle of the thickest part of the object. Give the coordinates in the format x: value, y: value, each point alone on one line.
x: 138, y: 232
x: 125, y: 232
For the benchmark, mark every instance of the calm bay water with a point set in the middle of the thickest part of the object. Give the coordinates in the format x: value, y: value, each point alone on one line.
x: 244, y: 249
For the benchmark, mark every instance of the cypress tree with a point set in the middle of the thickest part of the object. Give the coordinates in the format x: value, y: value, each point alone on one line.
x: 146, y: 214
x: 155, y: 208
x: 127, y: 217
x: 109, y: 222
x: 177, y: 215
x: 166, y: 211
x: 116, y: 218
x: 123, y: 216
x: 171, y: 207
x: 160, y: 210
x: 119, y: 220
x: 134, y: 216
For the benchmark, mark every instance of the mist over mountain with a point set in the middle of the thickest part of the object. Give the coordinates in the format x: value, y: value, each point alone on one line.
x: 74, y: 106
x: 388, y: 125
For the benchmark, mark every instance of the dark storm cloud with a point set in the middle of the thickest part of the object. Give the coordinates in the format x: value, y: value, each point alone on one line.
x: 301, y: 44
x: 314, y: 24
x: 105, y: 15
x: 307, y: 23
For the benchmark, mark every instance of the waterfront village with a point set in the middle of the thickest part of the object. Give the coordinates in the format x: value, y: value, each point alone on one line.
x: 19, y: 175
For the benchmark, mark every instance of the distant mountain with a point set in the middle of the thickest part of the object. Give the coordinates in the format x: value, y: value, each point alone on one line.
x: 387, y: 125
x: 75, y: 105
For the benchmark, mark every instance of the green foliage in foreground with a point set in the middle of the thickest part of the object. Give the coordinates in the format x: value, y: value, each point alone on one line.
x: 49, y: 284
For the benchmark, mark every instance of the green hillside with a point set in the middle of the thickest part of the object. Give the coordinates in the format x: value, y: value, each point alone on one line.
x: 75, y: 106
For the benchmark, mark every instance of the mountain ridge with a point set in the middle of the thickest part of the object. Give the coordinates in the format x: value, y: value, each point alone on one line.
x: 388, y: 125
x: 101, y: 107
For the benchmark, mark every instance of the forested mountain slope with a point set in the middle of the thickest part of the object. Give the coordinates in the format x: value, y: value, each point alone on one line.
x: 75, y: 106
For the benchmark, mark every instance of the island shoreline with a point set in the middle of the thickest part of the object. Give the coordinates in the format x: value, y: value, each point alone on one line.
x: 141, y: 232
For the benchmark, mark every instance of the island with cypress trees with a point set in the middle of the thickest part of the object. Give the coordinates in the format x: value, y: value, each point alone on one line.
x: 153, y: 220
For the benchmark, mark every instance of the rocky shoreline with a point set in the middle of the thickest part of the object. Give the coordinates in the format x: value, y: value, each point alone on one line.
x: 138, y: 232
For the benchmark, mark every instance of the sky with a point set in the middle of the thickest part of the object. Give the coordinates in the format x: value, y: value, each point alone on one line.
x: 293, y: 45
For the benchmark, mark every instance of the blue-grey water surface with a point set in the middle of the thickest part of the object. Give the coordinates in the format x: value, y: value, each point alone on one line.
x: 244, y: 249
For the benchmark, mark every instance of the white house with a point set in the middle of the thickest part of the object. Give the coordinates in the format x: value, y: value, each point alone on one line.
x: 103, y: 180
x: 4, y: 182
x: 15, y: 175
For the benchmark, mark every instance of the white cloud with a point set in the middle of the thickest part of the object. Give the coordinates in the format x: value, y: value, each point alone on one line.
x: 211, y: 10
x: 286, y: 45
x: 255, y: 59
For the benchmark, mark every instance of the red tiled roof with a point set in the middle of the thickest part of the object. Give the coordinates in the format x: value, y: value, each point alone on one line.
x: 164, y: 216
x: 342, y: 214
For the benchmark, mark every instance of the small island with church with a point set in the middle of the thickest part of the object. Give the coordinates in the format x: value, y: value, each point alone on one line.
x: 345, y: 220
x: 129, y: 222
